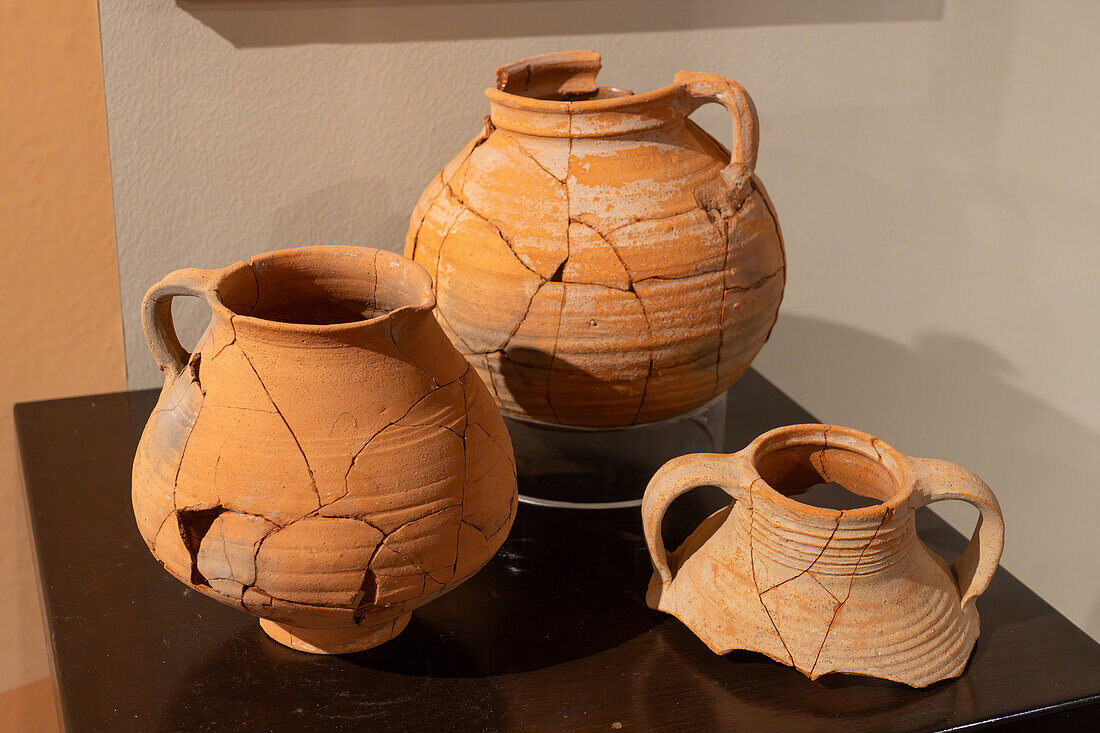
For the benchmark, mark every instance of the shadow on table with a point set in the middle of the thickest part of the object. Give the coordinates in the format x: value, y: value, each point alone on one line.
x: 301, y: 691
x: 780, y: 697
x: 562, y: 587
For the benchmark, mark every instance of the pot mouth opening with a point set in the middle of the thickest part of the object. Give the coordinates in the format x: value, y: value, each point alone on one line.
x: 325, y: 288
x: 563, y: 82
x: 795, y: 459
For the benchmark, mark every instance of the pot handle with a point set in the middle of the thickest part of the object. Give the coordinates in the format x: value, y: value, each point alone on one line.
x: 732, y: 474
x: 942, y: 480
x: 156, y: 315
x: 703, y: 88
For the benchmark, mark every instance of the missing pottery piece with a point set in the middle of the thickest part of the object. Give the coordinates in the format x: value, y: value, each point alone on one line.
x: 824, y: 590
x: 599, y: 258
x: 324, y: 459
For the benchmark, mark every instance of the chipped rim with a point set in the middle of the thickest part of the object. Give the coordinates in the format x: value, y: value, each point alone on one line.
x: 421, y: 284
x: 892, y: 460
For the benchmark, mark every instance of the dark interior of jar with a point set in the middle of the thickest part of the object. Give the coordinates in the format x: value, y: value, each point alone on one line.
x: 600, y: 93
x: 320, y: 288
x: 795, y: 469
x: 565, y: 76
x: 313, y: 308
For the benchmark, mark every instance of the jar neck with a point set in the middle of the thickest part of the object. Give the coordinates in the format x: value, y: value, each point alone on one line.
x: 838, y: 546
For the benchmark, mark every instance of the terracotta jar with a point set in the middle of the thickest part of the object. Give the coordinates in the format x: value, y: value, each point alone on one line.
x: 598, y: 257
x: 825, y: 590
x: 325, y: 459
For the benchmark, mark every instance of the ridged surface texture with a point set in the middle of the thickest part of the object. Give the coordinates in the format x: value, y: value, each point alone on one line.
x: 820, y: 607
x: 823, y: 590
x: 325, y: 482
x: 598, y: 275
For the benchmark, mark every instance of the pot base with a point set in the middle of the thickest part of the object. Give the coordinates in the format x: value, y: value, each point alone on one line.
x: 334, y: 641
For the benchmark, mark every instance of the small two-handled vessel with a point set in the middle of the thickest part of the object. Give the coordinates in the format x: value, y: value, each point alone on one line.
x: 820, y: 589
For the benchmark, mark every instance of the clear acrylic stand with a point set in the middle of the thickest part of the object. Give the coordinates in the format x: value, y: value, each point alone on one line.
x: 606, y: 468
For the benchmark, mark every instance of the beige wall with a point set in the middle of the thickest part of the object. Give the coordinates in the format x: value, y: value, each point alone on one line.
x: 59, y: 314
x: 934, y: 165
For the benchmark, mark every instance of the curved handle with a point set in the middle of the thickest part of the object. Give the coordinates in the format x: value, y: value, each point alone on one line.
x: 156, y: 315
x: 703, y: 88
x: 731, y: 473
x: 942, y: 480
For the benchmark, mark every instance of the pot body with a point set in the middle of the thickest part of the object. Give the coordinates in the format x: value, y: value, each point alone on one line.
x: 599, y: 259
x: 328, y: 475
x: 823, y: 590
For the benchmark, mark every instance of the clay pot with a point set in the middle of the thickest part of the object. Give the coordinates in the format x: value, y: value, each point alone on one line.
x: 325, y: 459
x: 598, y: 257
x: 820, y: 589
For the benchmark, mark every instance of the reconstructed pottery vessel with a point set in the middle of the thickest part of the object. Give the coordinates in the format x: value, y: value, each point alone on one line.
x: 325, y: 459
x: 598, y: 257
x: 824, y: 590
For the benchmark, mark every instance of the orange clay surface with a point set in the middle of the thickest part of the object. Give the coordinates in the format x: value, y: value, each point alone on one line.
x: 597, y: 257
x: 325, y: 459
x: 820, y: 589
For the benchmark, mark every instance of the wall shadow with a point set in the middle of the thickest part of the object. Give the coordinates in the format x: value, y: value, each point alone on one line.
x: 256, y: 23
x: 951, y: 397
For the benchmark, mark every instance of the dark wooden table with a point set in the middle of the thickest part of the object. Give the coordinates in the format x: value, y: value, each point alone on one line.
x: 552, y: 635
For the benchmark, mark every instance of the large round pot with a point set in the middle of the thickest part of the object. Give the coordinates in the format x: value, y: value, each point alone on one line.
x: 325, y: 459
x: 599, y: 258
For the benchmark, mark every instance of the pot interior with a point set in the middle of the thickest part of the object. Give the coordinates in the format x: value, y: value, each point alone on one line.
x: 600, y: 93
x: 325, y: 286
x: 796, y: 467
